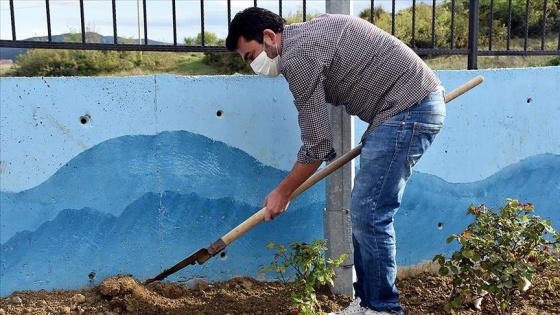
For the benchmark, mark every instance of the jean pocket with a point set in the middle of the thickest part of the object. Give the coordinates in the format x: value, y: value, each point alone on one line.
x: 423, y: 134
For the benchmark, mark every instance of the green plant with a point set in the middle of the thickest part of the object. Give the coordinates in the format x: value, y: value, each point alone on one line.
x: 500, y: 252
x: 65, y: 62
x: 227, y: 62
x: 554, y: 61
x: 210, y: 39
x: 311, y: 269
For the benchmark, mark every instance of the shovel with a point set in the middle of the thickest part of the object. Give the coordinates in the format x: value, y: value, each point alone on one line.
x: 204, y: 254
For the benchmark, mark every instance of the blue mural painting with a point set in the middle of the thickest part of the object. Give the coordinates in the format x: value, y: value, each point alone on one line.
x: 78, y: 222
x: 134, y: 196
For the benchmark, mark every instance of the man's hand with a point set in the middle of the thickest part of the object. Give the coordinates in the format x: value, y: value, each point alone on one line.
x: 278, y: 200
x: 275, y: 203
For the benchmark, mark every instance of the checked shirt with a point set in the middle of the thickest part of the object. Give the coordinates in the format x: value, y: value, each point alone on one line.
x: 345, y: 60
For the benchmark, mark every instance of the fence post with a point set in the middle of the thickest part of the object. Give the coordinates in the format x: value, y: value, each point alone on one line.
x: 474, y: 6
x: 336, y: 218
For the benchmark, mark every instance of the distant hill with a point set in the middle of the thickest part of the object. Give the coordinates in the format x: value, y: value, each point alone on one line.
x: 91, y: 37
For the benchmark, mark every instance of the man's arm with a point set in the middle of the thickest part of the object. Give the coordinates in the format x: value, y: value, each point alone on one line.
x: 278, y: 200
x: 305, y: 79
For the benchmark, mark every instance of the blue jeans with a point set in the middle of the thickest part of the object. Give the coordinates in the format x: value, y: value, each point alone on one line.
x: 386, y: 161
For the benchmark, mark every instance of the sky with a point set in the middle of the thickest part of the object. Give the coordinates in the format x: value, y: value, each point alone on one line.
x: 31, y: 17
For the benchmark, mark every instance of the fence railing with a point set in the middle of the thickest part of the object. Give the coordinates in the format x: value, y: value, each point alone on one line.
x: 455, y: 27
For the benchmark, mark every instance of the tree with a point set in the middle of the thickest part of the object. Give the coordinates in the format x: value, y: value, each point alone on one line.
x: 501, y: 14
x: 209, y: 39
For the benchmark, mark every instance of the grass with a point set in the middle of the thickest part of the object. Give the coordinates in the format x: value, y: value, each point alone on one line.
x: 4, y: 69
x: 180, y: 64
x: 414, y: 271
x: 457, y: 62
x: 192, y: 63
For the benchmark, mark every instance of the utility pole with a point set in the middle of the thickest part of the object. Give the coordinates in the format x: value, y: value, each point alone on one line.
x: 138, y: 13
x: 337, y: 227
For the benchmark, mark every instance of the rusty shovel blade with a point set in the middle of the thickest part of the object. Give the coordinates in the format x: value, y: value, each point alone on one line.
x: 200, y: 257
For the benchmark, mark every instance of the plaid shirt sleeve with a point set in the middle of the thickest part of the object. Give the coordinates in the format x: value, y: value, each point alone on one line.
x: 305, y: 78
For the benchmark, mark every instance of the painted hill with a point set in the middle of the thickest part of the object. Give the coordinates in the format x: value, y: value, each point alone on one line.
x: 111, y: 175
x: 433, y: 209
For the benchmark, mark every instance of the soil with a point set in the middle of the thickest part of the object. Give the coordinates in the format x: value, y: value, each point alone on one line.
x: 422, y: 293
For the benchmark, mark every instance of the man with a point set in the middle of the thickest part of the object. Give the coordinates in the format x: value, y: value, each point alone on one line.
x: 344, y: 60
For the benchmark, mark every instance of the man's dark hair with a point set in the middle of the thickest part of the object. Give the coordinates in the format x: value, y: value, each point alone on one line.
x: 250, y: 23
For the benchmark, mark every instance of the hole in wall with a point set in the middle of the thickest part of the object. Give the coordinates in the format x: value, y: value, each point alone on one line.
x: 220, y: 113
x: 529, y: 100
x: 85, y: 119
x: 223, y: 255
x: 440, y: 225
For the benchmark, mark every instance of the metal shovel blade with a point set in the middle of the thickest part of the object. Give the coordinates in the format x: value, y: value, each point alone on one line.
x: 200, y: 257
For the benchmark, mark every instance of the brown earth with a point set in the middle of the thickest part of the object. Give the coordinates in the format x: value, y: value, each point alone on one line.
x: 422, y: 293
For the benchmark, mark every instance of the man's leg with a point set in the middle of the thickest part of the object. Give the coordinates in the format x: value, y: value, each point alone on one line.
x: 386, y: 162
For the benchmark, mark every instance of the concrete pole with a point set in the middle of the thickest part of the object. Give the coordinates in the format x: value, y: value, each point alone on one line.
x: 337, y: 228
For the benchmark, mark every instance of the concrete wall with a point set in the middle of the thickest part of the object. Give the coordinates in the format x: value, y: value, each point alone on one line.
x: 100, y: 176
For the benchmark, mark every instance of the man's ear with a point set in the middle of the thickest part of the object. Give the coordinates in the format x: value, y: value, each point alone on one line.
x: 270, y: 34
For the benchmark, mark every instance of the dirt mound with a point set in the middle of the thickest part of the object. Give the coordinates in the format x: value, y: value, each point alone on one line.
x: 129, y: 294
x: 132, y: 297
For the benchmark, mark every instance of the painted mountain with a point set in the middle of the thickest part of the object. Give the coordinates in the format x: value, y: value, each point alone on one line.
x: 139, y: 204
x: 115, y: 173
x: 433, y: 209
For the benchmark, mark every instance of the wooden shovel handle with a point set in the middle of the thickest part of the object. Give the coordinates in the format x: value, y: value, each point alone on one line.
x: 245, y: 226
x: 258, y: 217
x: 463, y: 88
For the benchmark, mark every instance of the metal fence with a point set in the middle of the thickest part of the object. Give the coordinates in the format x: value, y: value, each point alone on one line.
x: 495, y: 27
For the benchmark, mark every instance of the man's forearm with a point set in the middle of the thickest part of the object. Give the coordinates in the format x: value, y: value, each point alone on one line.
x: 298, y: 175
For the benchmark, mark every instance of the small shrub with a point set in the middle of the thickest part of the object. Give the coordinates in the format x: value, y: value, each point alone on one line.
x: 227, y: 62
x: 311, y: 268
x: 499, y: 252
x: 554, y: 61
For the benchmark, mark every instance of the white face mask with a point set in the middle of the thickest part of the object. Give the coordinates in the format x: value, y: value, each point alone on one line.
x: 266, y: 66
